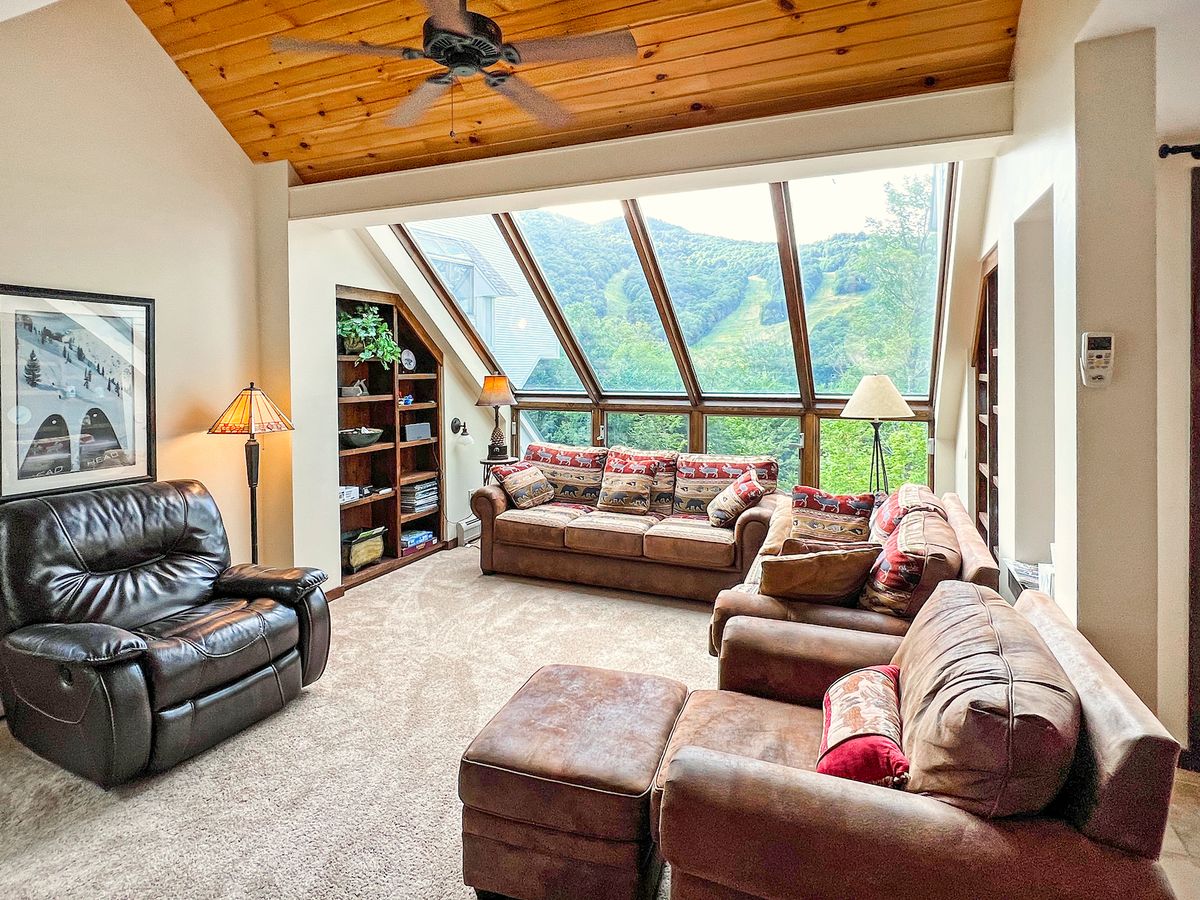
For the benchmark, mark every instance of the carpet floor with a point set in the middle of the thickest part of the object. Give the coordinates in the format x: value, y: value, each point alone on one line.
x: 351, y: 790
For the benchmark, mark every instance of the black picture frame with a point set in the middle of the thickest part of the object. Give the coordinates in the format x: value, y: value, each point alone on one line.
x: 147, y: 461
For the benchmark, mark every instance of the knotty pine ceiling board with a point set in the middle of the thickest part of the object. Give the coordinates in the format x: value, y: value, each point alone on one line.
x: 698, y: 62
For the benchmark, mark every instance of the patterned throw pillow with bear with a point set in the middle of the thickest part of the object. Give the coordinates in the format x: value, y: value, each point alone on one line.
x: 626, y: 485
x: 573, y: 472
x: 839, y: 518
x: 735, y: 500
x: 699, y: 477
x: 662, y: 492
x: 524, y: 483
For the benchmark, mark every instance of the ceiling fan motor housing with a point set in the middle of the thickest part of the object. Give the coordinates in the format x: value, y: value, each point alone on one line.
x: 465, y: 54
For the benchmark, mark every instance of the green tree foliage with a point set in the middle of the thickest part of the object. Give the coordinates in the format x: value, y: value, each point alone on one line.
x: 846, y: 454
x: 33, y: 370
x: 648, y: 432
x: 750, y: 435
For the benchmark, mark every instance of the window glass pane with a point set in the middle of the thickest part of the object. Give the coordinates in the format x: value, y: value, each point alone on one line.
x: 846, y: 454
x: 473, y: 261
x: 647, y: 432
x: 719, y: 255
x: 870, y: 246
x: 555, y: 426
x: 748, y: 435
x: 589, y: 261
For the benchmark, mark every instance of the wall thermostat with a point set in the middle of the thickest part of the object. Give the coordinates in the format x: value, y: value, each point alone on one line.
x: 1096, y: 353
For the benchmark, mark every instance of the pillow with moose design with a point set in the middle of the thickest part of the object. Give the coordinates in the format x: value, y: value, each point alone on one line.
x: 574, y: 472
x: 700, y: 477
x: 834, y: 518
x: 627, y: 485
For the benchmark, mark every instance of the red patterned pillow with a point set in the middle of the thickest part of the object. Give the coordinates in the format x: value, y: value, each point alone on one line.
x: 575, y: 473
x: 524, y: 483
x: 919, y: 555
x: 662, y: 491
x: 909, y: 498
x: 735, y: 500
x: 861, y: 739
x: 701, y: 476
x: 842, y: 518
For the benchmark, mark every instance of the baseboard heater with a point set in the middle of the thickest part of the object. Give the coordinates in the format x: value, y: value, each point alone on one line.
x: 468, y: 530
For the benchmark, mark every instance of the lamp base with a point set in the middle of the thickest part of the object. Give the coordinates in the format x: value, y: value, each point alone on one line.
x: 879, y: 478
x: 497, y: 444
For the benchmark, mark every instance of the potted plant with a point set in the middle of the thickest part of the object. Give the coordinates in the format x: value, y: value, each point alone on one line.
x: 366, y: 333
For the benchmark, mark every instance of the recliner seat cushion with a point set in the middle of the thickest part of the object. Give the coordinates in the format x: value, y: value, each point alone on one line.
x: 688, y: 541
x: 206, y: 647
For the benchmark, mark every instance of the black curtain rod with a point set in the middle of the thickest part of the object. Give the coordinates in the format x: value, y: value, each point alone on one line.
x: 1167, y: 150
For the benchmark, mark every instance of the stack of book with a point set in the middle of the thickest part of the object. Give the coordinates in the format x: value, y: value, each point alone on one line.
x: 419, y: 497
x: 414, y: 540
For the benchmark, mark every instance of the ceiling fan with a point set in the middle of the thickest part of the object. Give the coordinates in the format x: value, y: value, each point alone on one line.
x: 466, y: 43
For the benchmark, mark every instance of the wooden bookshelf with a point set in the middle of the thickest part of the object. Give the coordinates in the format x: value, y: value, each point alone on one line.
x: 986, y: 361
x: 393, y: 461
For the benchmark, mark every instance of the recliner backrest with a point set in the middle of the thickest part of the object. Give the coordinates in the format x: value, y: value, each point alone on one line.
x: 122, y: 555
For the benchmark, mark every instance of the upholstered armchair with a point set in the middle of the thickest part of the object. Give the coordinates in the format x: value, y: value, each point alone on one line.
x: 127, y: 641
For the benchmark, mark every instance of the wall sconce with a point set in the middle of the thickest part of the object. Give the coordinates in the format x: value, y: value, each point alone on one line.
x: 459, y: 427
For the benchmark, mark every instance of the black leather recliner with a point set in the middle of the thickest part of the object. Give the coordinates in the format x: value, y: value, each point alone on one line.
x: 127, y: 641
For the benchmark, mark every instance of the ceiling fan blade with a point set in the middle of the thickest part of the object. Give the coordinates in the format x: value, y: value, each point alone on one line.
x: 449, y: 15
x: 418, y: 102
x: 359, y: 49
x: 578, y: 46
x: 525, y: 95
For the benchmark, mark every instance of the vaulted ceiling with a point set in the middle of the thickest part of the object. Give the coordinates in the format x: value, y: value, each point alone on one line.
x: 698, y: 62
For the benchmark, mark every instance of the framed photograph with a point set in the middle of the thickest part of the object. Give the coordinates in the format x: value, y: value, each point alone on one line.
x: 76, y: 390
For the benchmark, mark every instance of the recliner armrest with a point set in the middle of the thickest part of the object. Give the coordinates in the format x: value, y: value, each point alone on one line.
x: 82, y: 643
x: 793, y: 662
x: 287, y: 586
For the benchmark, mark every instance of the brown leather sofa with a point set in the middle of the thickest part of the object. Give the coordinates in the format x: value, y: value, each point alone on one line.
x: 676, y: 557
x: 978, y: 567
x: 127, y: 641
x: 742, y: 814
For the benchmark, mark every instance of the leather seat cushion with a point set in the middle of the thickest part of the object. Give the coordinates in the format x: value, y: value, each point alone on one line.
x: 609, y: 533
x: 742, y: 725
x: 541, y: 526
x: 576, y: 750
x: 206, y: 647
x: 746, y: 601
x: 691, y: 542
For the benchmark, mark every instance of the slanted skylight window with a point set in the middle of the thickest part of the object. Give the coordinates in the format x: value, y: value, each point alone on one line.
x: 589, y: 261
x: 719, y: 255
x: 870, y: 250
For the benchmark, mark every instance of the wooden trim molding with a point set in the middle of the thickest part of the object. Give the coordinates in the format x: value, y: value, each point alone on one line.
x: 1193, y: 754
x: 990, y: 262
x: 943, y: 283
x: 793, y: 290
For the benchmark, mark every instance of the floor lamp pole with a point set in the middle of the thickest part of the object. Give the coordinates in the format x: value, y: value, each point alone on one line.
x: 879, y: 479
x: 252, y: 455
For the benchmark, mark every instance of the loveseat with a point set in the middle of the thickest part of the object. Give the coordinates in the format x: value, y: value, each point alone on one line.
x: 673, y: 550
x: 976, y: 566
x: 740, y: 811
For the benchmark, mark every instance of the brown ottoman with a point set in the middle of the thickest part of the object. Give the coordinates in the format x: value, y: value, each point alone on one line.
x: 556, y: 788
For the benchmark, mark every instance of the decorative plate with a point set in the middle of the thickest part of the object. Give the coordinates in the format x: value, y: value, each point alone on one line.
x: 408, y: 360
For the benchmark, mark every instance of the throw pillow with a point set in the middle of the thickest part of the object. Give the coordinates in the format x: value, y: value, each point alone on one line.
x: 909, y: 498
x: 841, y: 518
x: 626, y: 486
x: 920, y: 554
x: 574, y: 472
x: 700, y: 477
x: 662, y: 492
x: 524, y: 483
x: 990, y: 718
x: 735, y: 500
x: 833, y: 576
x: 861, y: 738
x: 778, y: 531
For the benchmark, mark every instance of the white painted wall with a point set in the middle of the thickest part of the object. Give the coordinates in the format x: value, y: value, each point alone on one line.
x: 116, y: 178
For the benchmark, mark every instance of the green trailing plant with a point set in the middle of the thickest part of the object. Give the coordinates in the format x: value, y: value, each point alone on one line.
x: 366, y: 333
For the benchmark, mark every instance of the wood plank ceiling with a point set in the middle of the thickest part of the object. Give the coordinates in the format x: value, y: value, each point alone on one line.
x: 699, y: 62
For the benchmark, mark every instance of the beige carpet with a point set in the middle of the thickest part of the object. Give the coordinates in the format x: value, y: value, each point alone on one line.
x: 350, y: 791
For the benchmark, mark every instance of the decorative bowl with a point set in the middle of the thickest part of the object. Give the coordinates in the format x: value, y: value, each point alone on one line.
x: 356, y: 438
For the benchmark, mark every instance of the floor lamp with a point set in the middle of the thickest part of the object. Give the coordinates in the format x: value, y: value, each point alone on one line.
x: 251, y: 412
x: 876, y: 399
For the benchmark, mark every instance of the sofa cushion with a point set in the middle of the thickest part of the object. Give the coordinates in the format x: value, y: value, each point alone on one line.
x: 662, y: 492
x: 861, y: 740
x: 608, y: 534
x: 908, y: 498
x: 778, y: 531
x: 700, y: 477
x: 831, y: 576
x: 741, y: 725
x: 840, y: 518
x: 689, y: 541
x: 573, y: 472
x: 738, y: 497
x: 627, y: 485
x: 990, y: 718
x: 541, y: 526
x: 524, y: 483
x: 193, y: 652
x: 919, y: 555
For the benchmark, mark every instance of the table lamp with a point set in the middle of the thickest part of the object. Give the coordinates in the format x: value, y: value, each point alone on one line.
x: 876, y: 399
x: 496, y: 393
x: 251, y: 412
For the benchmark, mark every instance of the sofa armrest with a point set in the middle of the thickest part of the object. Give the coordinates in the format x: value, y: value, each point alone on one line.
x: 794, y: 662
x: 287, y: 586
x: 774, y: 831
x: 750, y: 529
x: 489, y: 501
x: 978, y: 565
x: 83, y: 643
